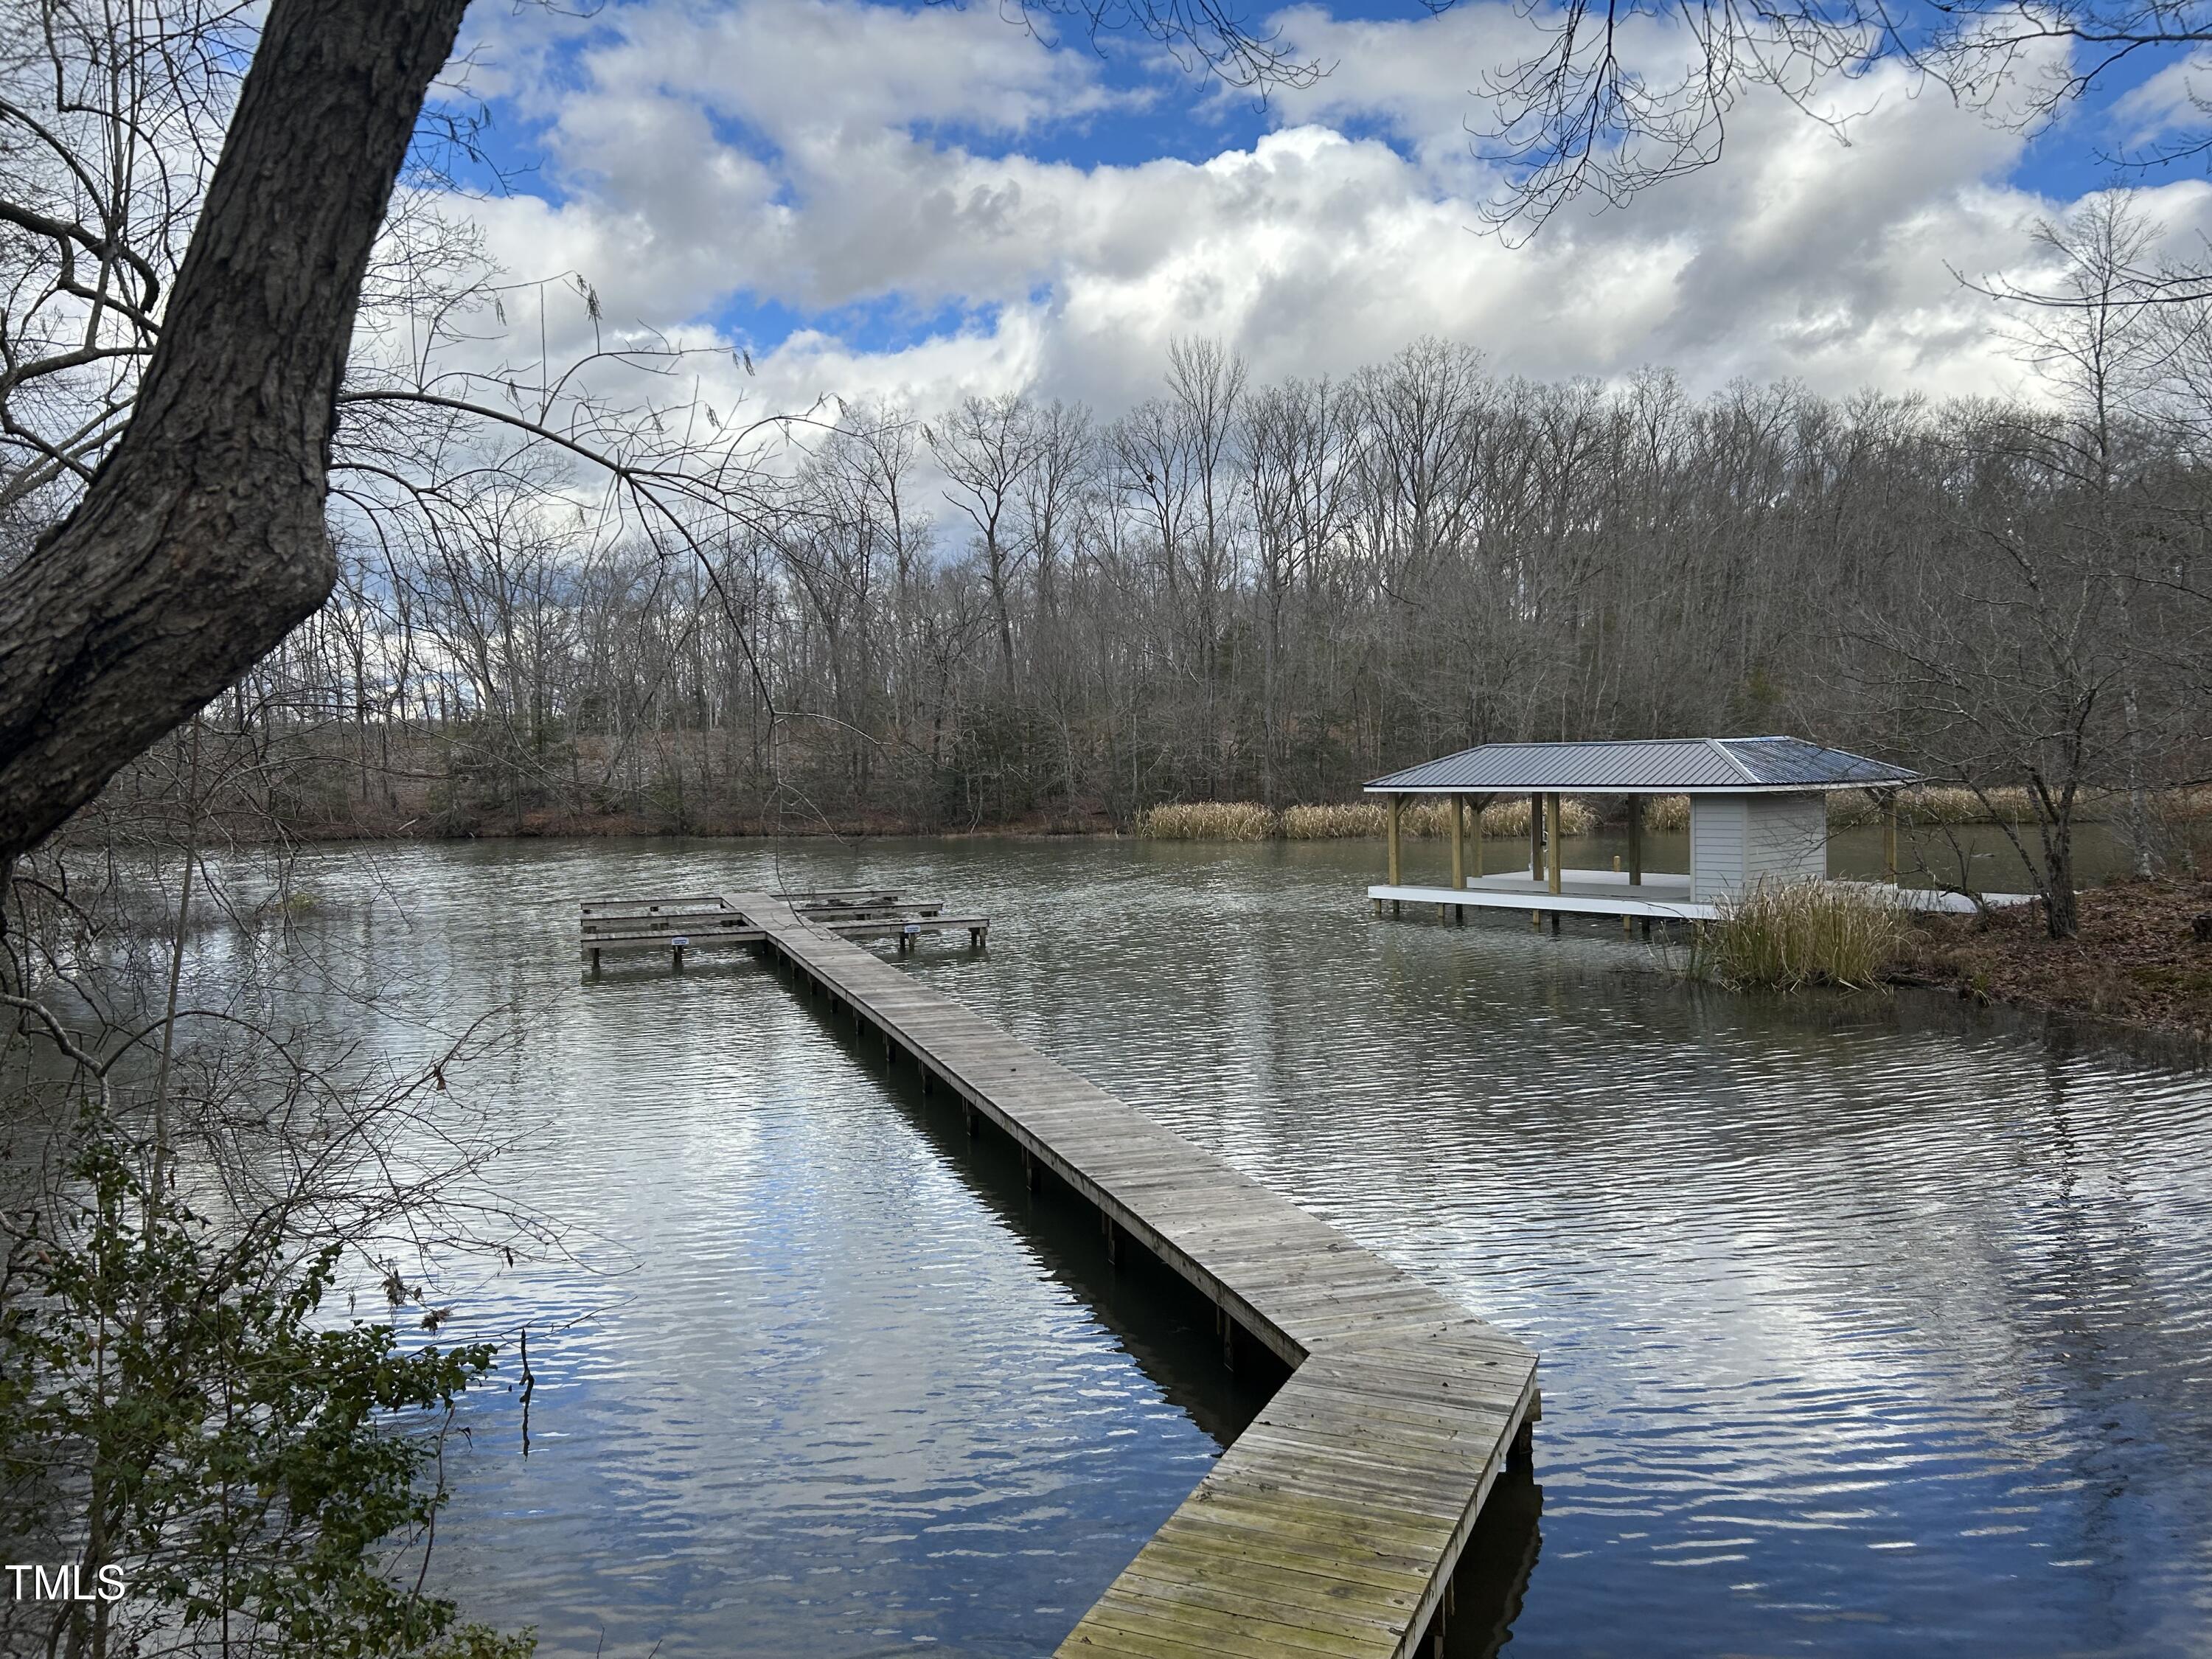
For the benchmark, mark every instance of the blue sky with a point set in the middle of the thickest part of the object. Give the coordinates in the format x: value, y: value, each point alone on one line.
x: 896, y: 202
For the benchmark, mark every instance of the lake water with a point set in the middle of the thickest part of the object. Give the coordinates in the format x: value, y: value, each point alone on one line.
x: 1868, y: 1326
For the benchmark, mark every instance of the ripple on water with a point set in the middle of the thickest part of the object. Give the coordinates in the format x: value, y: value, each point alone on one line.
x: 1863, y: 1330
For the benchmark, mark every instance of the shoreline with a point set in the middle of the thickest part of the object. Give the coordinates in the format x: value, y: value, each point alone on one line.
x: 2137, y: 965
x: 2137, y: 969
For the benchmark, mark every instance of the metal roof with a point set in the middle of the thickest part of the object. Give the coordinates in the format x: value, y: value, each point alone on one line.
x: 1665, y: 765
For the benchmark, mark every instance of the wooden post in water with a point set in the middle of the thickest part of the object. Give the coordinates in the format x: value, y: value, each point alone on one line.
x: 1535, y: 838
x: 1559, y: 852
x: 1481, y: 802
x: 1616, y: 869
x: 1459, y: 852
x: 1636, y: 841
x: 1392, y: 812
x: 1889, y: 839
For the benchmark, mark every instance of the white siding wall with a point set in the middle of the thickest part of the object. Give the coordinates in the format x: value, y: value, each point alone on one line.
x: 1738, y: 841
x: 1716, y: 842
x: 1787, y: 838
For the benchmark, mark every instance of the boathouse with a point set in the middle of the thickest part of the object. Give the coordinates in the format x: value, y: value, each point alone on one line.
x: 1758, y: 812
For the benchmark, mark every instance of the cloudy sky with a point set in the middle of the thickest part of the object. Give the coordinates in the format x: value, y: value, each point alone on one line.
x: 873, y: 199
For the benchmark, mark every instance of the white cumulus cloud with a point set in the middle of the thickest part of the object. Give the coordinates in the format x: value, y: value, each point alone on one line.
x: 932, y: 166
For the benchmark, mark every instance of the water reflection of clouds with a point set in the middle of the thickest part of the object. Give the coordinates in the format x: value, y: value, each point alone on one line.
x: 1846, y: 1316
x: 1772, y: 1259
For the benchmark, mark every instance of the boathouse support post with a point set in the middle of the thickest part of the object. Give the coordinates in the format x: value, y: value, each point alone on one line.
x: 1636, y: 841
x: 1535, y: 837
x: 1551, y: 834
x: 1889, y: 839
x: 1459, y: 842
x: 1393, y: 812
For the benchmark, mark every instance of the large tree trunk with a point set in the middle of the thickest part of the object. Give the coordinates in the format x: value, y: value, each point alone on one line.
x: 201, y: 541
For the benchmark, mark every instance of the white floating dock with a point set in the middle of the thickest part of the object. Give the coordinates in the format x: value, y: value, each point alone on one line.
x: 1658, y: 897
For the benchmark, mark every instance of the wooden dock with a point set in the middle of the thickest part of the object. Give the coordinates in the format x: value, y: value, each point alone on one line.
x: 1331, y: 1527
x: 690, y: 923
x: 1650, y: 898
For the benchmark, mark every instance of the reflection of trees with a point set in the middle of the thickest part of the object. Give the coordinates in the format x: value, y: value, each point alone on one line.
x: 2093, y: 1291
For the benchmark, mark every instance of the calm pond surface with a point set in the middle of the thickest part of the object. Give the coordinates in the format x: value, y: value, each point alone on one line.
x: 1867, y: 1326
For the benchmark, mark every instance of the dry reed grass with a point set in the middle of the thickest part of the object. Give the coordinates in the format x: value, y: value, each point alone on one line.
x: 1364, y: 820
x: 1948, y: 803
x: 1430, y: 818
x: 1342, y: 821
x: 1944, y: 804
x: 1511, y: 818
x: 1207, y: 820
x: 1785, y: 936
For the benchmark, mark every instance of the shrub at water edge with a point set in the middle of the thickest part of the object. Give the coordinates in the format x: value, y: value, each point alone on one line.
x: 1788, y: 935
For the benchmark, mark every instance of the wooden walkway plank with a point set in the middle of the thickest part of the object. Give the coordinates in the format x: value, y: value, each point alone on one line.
x: 1329, y: 1528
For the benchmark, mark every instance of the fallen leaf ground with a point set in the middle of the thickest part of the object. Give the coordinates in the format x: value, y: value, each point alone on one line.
x: 2136, y: 961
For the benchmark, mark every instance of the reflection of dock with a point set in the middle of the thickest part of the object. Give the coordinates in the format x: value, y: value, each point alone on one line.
x: 705, y: 921
x: 1332, y: 1524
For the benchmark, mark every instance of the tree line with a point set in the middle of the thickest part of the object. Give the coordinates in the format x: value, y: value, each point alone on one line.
x: 586, y: 590
x: 1015, y: 612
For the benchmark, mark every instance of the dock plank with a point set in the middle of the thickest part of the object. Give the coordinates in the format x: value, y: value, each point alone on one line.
x: 1329, y: 1528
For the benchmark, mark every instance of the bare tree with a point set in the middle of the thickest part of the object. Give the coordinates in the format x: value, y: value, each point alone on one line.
x: 1619, y: 95
x: 2104, y: 350
x: 2005, y: 667
x: 987, y: 448
x: 200, y: 540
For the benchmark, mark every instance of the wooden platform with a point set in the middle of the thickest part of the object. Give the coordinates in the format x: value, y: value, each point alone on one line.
x: 685, y: 925
x: 1658, y: 897
x: 1331, y: 1527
